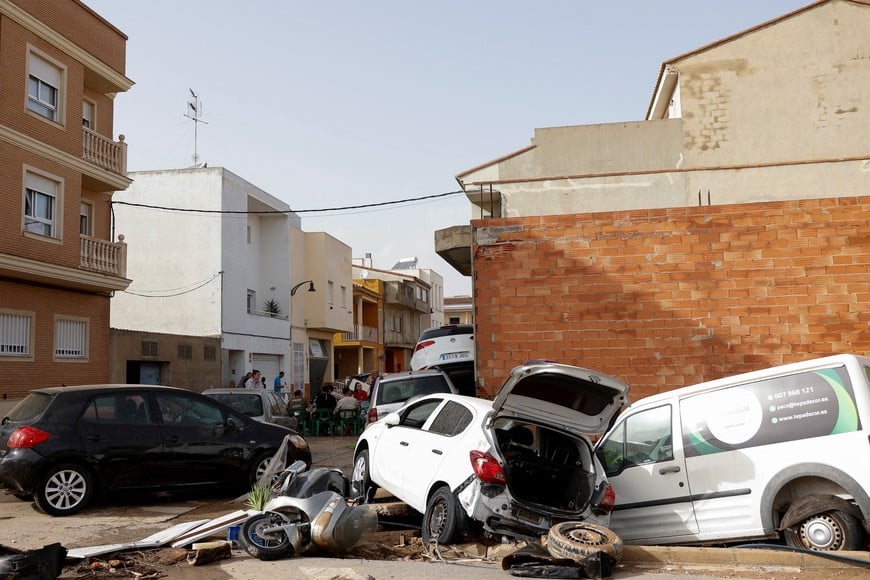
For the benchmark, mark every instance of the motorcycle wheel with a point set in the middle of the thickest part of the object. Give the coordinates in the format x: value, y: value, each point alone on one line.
x: 264, y: 546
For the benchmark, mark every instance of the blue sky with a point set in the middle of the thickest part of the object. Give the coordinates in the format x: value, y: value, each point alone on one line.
x: 326, y: 104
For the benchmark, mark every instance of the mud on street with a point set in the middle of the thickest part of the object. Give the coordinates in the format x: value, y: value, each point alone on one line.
x: 131, y: 519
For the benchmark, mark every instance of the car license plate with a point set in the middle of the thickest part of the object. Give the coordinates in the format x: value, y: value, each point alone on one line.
x: 454, y: 355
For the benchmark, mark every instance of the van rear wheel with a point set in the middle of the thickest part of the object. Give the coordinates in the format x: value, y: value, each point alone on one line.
x: 833, y: 531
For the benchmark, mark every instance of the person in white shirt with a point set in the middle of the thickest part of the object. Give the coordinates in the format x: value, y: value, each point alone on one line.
x: 254, y: 381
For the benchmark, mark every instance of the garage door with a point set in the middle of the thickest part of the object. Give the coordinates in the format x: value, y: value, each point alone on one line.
x: 268, y: 365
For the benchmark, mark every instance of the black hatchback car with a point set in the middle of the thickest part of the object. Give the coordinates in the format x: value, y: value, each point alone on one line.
x: 61, y: 445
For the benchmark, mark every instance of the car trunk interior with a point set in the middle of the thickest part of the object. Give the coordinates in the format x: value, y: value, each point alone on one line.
x: 545, y: 467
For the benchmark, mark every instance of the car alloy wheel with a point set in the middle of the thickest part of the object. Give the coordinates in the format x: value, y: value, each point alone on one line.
x: 64, y: 490
x: 362, y: 488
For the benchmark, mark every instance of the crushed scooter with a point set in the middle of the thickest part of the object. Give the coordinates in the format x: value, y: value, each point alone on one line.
x: 307, y: 511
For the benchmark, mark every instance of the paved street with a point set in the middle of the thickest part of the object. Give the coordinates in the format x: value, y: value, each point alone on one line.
x: 24, y: 528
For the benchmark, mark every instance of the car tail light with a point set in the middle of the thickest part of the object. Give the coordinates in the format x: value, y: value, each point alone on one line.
x: 26, y: 438
x: 486, y: 467
x: 373, y: 414
x: 424, y: 344
x: 607, y: 500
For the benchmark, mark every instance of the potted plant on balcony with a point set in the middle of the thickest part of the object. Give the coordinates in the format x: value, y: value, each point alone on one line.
x: 272, y: 307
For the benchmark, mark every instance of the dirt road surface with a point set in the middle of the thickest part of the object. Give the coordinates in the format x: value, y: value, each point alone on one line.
x: 394, y: 553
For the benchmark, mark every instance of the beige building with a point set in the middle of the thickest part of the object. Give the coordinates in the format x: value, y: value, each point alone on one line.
x: 361, y: 349
x: 406, y: 313
x: 60, y: 258
x: 775, y: 112
x: 458, y: 310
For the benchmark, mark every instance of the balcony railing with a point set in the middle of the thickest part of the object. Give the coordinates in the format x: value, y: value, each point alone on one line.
x: 267, y: 314
x: 104, y: 256
x: 104, y: 152
x: 360, y: 332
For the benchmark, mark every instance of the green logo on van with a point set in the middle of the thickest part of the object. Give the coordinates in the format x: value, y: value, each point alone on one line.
x: 788, y: 408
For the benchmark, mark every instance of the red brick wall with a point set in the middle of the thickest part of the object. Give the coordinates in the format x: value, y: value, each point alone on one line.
x: 65, y: 251
x: 671, y: 297
x: 17, y: 377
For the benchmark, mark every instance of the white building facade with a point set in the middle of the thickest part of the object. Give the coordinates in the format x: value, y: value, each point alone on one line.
x: 211, y: 259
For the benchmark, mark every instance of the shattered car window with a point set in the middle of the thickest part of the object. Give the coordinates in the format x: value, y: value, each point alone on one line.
x: 452, y: 420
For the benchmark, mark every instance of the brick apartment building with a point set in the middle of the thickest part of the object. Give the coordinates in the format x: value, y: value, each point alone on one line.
x: 61, y: 66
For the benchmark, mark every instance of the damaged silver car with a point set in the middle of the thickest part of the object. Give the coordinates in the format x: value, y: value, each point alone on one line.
x: 516, y: 465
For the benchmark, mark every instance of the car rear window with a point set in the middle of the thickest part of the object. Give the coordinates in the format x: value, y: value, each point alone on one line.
x: 250, y: 405
x: 31, y: 407
x: 401, y: 390
x: 446, y: 331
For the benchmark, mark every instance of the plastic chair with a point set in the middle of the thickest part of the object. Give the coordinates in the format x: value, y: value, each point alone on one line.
x: 346, y: 418
x: 320, y: 418
x: 302, y: 420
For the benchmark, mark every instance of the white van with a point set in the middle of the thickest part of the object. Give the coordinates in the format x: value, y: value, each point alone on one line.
x: 785, y: 450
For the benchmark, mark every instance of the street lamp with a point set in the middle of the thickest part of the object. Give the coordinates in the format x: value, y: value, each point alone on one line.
x: 300, y: 284
x: 292, y: 352
x: 292, y: 294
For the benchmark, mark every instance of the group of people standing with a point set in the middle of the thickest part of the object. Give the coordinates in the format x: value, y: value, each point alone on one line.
x: 255, y: 380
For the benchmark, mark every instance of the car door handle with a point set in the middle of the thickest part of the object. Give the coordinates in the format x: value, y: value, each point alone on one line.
x: 94, y: 438
x: 404, y: 443
x: 437, y: 452
x: 172, y: 439
x: 671, y: 469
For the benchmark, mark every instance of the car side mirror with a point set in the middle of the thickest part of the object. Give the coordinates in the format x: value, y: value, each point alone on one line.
x: 230, y: 426
x: 391, y: 420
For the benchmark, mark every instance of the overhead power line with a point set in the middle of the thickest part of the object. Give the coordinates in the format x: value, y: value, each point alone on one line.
x: 175, y: 291
x: 341, y: 208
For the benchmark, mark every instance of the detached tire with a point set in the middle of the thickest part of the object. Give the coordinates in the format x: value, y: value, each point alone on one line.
x: 830, y: 531
x: 65, y: 489
x: 579, y: 540
x: 444, y: 518
x: 262, y: 545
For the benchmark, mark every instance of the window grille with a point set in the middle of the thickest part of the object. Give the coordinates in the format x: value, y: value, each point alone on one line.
x: 15, y: 334
x: 71, y: 338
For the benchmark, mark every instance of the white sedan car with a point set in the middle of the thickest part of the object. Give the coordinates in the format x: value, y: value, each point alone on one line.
x: 517, y: 465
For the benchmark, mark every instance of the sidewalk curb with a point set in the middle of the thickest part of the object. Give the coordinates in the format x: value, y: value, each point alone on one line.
x: 680, y: 555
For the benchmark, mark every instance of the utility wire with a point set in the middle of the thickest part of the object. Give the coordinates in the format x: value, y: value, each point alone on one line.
x: 273, y: 212
x: 156, y: 295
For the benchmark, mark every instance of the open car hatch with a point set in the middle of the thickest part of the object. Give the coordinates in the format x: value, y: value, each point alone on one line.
x: 571, y: 398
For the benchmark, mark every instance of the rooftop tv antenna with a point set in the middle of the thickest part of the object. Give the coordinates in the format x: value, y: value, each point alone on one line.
x: 194, y: 112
